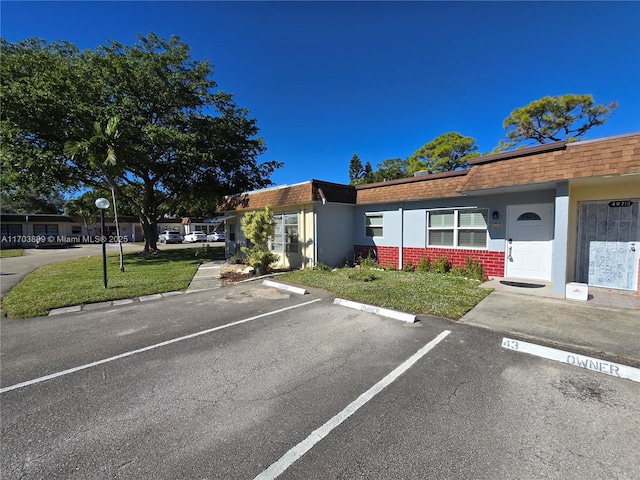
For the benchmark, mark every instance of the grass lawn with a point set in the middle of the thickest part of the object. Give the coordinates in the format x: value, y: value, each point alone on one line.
x: 423, y: 293
x: 79, y: 281
x: 11, y: 252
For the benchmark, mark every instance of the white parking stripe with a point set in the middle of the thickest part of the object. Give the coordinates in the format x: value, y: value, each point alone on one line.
x: 303, y: 447
x: 150, y: 347
x: 590, y: 363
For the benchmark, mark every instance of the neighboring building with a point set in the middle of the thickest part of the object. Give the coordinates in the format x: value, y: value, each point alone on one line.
x: 21, y: 230
x: 556, y: 212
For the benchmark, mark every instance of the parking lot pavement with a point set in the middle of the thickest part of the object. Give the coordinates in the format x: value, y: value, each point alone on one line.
x: 224, y: 383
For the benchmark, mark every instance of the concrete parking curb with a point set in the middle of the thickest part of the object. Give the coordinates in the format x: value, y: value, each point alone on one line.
x: 113, y: 303
x: 405, y: 317
x: 282, y: 286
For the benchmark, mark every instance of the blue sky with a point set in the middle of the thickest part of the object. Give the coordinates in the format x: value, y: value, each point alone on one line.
x: 326, y: 80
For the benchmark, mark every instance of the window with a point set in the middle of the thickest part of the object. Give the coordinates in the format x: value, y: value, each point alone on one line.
x: 232, y: 232
x: 45, y: 230
x: 11, y: 230
x: 373, y: 225
x: 11, y: 234
x: 457, y: 228
x: 528, y: 216
x: 76, y: 229
x: 285, y: 234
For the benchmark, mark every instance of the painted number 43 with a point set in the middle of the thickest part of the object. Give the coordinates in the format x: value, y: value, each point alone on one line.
x: 510, y: 344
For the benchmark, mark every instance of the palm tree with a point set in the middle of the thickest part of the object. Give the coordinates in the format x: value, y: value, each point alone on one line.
x: 82, y: 206
x: 100, y: 150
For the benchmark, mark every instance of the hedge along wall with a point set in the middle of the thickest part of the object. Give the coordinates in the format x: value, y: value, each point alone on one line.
x: 492, y: 262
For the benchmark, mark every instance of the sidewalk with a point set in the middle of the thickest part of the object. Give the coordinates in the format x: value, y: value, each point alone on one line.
x: 207, y: 276
x: 608, y: 323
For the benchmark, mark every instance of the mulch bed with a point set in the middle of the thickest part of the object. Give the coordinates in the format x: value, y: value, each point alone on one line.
x: 230, y: 278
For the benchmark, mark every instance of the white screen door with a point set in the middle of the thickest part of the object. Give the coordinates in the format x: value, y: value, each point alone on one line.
x: 529, y: 241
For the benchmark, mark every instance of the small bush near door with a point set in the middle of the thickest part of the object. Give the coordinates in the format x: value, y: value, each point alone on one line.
x: 471, y: 269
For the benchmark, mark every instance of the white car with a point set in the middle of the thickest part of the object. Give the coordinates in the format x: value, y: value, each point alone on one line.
x: 216, y: 236
x: 170, y: 236
x: 196, y: 236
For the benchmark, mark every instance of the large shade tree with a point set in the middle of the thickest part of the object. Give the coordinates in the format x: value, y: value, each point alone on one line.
x: 180, y: 140
x: 550, y: 119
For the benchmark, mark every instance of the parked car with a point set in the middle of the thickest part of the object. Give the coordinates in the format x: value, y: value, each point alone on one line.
x: 216, y: 237
x: 196, y: 236
x: 170, y: 236
x: 51, y: 241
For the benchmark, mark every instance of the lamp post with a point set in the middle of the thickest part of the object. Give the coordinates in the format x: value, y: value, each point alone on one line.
x: 103, y: 204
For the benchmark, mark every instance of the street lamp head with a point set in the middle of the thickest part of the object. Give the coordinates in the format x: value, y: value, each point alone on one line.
x: 102, y: 203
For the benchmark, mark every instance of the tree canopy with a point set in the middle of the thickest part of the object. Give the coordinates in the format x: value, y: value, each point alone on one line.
x: 356, y: 170
x: 549, y: 119
x: 179, y: 139
x: 388, y: 169
x: 449, y: 151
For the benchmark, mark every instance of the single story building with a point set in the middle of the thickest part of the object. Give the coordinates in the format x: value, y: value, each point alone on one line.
x: 22, y: 230
x: 313, y: 222
x: 558, y: 212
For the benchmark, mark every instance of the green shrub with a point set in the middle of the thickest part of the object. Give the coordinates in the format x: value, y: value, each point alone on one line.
x: 408, y: 266
x: 440, y: 265
x: 471, y: 269
x: 259, y: 256
x: 474, y: 269
x: 257, y: 226
x: 237, y: 259
x: 424, y: 264
x: 367, y: 262
x: 322, y: 267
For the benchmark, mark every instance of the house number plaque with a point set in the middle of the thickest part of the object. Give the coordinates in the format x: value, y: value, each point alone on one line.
x: 620, y: 203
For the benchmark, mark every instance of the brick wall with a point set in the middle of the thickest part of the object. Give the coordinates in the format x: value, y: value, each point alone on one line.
x: 386, y: 255
x: 493, y: 262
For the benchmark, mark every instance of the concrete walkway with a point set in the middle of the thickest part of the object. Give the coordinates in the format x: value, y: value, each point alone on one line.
x: 207, y: 276
x: 608, y: 323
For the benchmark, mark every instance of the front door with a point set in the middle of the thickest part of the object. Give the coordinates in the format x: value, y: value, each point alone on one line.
x: 608, y: 242
x: 529, y: 241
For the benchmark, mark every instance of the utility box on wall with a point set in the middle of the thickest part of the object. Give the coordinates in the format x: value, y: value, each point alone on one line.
x: 577, y: 291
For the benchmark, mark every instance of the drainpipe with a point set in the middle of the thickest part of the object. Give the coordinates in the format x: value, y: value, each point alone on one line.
x: 315, y: 227
x: 324, y: 199
x: 315, y: 237
x: 401, y: 252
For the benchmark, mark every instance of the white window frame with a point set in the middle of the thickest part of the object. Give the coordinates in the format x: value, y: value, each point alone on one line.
x: 284, y: 246
x: 368, y: 225
x: 456, y: 228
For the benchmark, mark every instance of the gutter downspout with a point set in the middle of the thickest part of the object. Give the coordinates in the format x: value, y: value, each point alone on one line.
x: 401, y: 251
x: 315, y: 237
x: 315, y: 226
x: 324, y: 199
